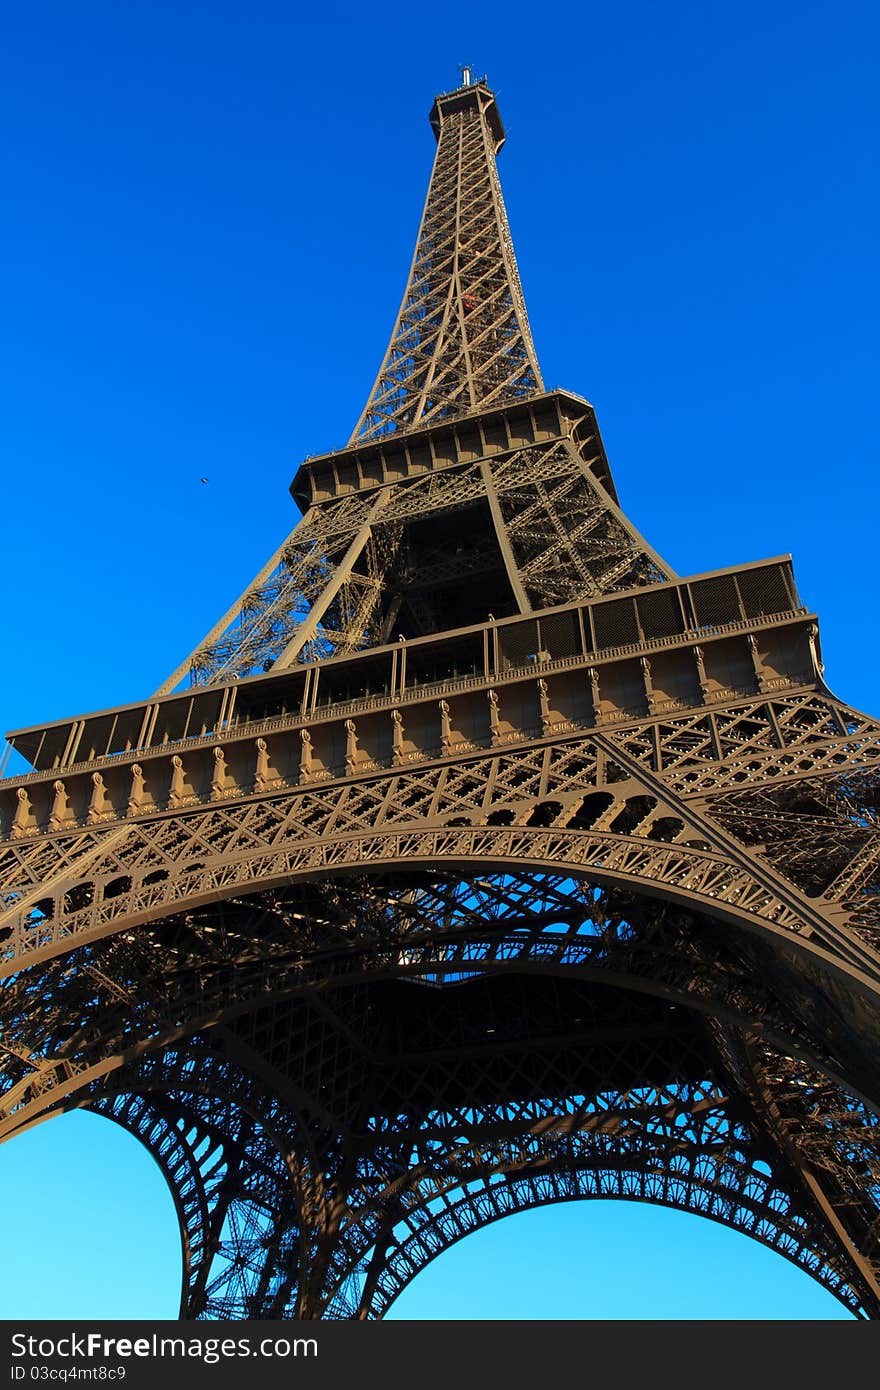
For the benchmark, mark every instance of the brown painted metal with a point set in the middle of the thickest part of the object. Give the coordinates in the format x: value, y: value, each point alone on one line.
x: 462, y: 339
x: 473, y: 861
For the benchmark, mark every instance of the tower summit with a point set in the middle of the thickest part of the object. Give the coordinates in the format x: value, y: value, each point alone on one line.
x: 462, y: 341
x: 473, y: 861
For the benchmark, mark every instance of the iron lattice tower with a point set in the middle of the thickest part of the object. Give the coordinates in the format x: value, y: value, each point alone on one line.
x: 473, y: 861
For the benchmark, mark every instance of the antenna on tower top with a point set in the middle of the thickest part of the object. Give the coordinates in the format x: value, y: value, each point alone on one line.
x: 466, y: 75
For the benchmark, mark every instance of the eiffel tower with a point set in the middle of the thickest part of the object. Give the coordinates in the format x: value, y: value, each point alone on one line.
x: 473, y: 861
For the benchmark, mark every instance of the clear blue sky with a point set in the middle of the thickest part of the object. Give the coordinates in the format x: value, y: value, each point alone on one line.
x: 209, y: 211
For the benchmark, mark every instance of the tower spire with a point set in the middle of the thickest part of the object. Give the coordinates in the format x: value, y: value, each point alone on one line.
x: 461, y: 341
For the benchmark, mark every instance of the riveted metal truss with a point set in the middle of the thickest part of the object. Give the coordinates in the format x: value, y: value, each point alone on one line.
x: 402, y: 1058
x: 551, y: 534
x: 480, y: 862
x: 462, y: 340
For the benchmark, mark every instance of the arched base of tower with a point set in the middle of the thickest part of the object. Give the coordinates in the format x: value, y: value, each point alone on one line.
x: 383, y: 1064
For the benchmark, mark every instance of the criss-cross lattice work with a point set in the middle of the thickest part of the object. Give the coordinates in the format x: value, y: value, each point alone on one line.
x: 462, y: 338
x: 356, y: 568
x: 482, y: 863
x: 437, y: 1109
x: 309, y: 574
